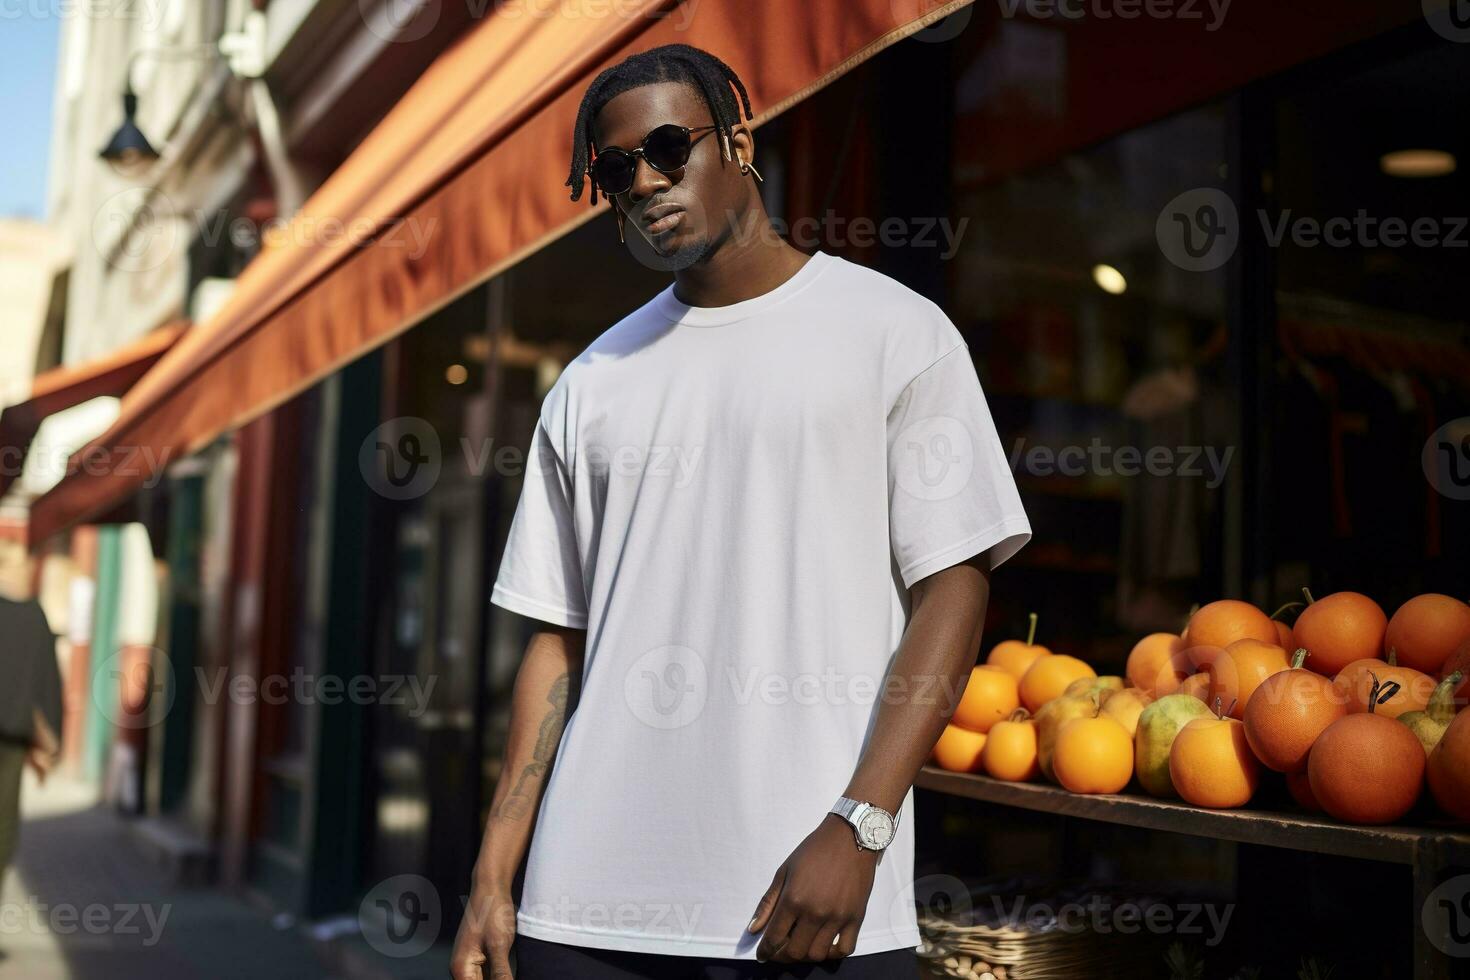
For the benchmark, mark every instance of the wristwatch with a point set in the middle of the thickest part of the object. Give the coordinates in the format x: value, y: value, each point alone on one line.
x: 872, y: 825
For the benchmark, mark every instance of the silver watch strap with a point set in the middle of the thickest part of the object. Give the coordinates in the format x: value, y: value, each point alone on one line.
x: 845, y: 808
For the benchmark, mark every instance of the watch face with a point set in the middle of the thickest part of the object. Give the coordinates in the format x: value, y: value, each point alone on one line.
x: 875, y: 830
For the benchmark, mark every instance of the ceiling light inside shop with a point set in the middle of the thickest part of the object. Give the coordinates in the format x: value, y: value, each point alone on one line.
x: 1109, y: 280
x: 456, y: 374
x: 1417, y: 163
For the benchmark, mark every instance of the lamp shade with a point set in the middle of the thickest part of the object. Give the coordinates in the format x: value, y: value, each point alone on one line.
x: 128, y: 144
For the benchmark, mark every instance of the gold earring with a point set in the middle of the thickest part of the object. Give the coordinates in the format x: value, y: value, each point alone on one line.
x: 749, y: 168
x: 619, y: 212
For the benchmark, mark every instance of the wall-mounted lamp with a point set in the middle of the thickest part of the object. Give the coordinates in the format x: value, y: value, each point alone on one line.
x: 129, y: 148
x: 243, y: 51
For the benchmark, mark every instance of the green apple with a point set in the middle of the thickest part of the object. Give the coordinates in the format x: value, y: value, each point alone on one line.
x: 1430, y: 724
x: 1158, y: 725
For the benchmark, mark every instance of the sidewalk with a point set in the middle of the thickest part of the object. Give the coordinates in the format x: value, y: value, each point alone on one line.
x: 82, y: 903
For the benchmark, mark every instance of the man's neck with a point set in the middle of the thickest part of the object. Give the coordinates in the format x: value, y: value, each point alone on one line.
x: 744, y: 267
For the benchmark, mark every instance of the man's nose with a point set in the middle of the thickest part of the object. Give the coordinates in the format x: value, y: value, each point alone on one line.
x: 646, y: 180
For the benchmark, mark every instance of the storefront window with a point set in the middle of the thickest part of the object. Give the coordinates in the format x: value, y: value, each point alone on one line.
x: 1102, y: 361
x: 1366, y: 238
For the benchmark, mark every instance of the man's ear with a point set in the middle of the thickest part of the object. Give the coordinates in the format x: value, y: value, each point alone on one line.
x: 742, y: 145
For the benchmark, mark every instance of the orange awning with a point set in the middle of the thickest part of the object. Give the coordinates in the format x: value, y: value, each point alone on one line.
x: 63, y: 387
x: 462, y: 179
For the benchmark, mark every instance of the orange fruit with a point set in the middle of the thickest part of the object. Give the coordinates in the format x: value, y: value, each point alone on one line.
x: 990, y: 695
x: 1211, y: 764
x: 1299, y: 785
x: 1015, y: 656
x: 1125, y: 706
x: 1426, y: 630
x: 1010, y: 749
x: 1287, y: 712
x: 958, y: 749
x: 1284, y: 637
x: 1157, y: 664
x: 1217, y: 625
x: 1449, y: 768
x: 1338, y: 629
x: 1104, y: 687
x: 1055, y: 715
x: 1367, y: 769
x: 1093, y: 755
x: 1197, y: 685
x: 1355, y: 681
x: 1236, y: 673
x: 1048, y: 677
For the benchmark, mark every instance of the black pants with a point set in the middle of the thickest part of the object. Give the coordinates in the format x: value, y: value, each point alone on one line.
x: 537, y: 959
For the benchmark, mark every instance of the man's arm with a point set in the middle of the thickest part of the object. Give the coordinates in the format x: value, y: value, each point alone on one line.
x: 45, y: 751
x: 940, y: 647
x: 822, y: 890
x: 545, y: 693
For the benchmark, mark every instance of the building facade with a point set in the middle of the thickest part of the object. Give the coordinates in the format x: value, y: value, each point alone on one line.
x: 1054, y: 154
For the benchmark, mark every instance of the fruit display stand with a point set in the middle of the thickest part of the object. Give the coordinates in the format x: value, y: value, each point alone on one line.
x: 1432, y: 854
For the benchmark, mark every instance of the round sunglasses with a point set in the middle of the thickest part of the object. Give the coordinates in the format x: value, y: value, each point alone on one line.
x: 666, y: 148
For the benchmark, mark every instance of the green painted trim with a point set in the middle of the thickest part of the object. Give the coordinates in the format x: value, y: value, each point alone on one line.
x: 101, y: 725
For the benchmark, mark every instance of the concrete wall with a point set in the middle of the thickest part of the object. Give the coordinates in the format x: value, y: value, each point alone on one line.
x: 28, y: 258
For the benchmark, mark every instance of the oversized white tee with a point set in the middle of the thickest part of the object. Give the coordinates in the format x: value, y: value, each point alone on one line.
x: 733, y: 502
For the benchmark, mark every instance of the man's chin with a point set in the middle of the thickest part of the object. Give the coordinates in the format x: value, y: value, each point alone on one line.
x: 669, y: 253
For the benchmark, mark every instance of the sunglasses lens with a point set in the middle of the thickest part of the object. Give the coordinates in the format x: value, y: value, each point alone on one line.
x: 667, y: 148
x: 614, y: 171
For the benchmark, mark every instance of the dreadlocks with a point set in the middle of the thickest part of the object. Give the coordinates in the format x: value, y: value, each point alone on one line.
x: 669, y: 63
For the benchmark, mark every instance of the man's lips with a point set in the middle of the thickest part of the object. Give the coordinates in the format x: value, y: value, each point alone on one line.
x: 662, y: 217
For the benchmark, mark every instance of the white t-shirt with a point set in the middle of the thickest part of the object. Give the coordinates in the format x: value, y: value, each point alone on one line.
x: 733, y: 501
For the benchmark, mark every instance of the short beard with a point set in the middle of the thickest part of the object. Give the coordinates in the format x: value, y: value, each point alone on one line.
x: 683, y: 256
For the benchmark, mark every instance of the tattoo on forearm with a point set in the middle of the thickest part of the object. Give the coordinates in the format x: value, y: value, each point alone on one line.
x: 518, y: 802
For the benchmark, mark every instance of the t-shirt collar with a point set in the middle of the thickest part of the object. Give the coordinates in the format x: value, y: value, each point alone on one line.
x: 708, y: 316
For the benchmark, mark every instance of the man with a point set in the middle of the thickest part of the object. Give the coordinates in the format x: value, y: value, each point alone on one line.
x: 757, y: 527
x: 30, y: 698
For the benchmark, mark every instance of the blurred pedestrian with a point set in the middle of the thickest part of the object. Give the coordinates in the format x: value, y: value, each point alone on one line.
x: 30, y: 698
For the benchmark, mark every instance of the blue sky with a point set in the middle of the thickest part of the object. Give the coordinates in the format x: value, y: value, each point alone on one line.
x: 27, y: 79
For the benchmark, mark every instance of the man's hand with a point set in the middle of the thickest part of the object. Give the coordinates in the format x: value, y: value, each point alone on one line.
x: 818, y: 895
x: 482, y: 947
x: 42, y: 762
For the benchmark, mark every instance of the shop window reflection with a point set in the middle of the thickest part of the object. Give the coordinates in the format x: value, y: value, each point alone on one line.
x: 1102, y: 360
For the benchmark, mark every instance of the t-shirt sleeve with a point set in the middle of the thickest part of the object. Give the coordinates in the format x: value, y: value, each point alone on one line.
x: 541, y: 570
x: 950, y: 488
